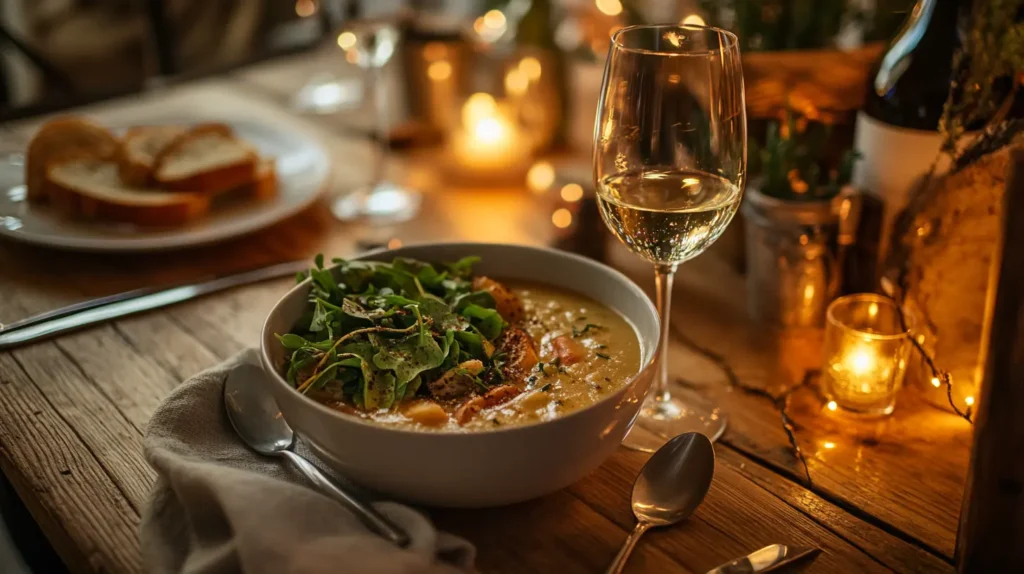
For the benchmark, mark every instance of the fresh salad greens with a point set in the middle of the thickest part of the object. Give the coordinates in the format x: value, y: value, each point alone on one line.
x: 375, y: 333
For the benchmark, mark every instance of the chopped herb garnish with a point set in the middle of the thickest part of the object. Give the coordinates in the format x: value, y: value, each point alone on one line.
x: 531, y: 379
x: 559, y: 402
x: 496, y: 422
x: 601, y: 347
x: 580, y: 332
x: 557, y: 362
x: 602, y: 355
x: 546, y: 388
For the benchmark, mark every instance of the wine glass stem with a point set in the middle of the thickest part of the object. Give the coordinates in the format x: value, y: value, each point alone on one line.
x: 663, y: 278
x: 378, y: 92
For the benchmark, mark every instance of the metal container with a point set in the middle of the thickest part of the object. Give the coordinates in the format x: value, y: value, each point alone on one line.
x: 791, y: 265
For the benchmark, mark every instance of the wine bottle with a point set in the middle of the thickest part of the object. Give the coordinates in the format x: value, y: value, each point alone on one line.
x: 897, y: 130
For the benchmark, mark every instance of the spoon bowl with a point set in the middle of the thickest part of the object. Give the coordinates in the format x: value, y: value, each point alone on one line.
x: 675, y: 480
x: 670, y: 487
x: 254, y: 414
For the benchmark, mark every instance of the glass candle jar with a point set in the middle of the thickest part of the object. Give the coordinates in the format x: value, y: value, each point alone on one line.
x: 866, y: 351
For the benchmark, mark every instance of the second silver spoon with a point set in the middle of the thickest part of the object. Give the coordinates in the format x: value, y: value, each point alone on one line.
x: 670, y: 487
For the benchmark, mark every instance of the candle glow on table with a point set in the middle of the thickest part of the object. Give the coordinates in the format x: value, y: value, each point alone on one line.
x: 488, y: 141
x: 866, y: 350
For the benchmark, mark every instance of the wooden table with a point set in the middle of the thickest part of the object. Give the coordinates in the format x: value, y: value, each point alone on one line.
x: 884, y: 495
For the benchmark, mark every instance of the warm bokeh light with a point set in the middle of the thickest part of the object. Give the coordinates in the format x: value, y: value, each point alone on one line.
x: 477, y: 107
x: 829, y: 445
x: 531, y: 68
x: 873, y: 310
x: 305, y: 8
x: 439, y: 71
x: 489, y: 130
x: 610, y: 7
x: 394, y: 243
x: 969, y: 401
x: 541, y: 177
x: 935, y: 382
x: 516, y: 82
x: 572, y: 192
x: 693, y: 20
x: 562, y: 218
x: 346, y: 40
x: 494, y: 20
x: 832, y: 405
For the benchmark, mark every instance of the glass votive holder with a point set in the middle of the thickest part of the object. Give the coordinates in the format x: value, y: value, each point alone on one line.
x: 866, y: 351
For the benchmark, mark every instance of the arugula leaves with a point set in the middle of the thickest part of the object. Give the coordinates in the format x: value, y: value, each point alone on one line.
x: 375, y: 332
x: 487, y: 321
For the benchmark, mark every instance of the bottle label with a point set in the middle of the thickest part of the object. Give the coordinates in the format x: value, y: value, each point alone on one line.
x: 892, y: 161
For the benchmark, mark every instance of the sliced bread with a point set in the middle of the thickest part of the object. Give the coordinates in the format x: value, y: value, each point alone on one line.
x: 60, y: 139
x: 92, y: 188
x: 206, y: 159
x: 139, y: 149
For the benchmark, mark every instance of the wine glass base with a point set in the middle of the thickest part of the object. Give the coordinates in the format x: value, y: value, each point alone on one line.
x: 382, y: 203
x: 659, y: 421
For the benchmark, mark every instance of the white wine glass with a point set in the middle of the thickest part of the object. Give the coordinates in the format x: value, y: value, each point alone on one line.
x: 670, y: 159
x: 370, y: 44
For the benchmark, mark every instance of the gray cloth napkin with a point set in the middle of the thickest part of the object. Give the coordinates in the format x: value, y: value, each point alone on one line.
x: 217, y: 507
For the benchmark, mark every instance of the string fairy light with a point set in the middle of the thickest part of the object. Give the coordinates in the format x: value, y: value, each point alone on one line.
x: 939, y: 376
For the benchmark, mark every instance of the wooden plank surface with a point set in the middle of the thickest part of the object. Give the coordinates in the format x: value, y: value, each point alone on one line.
x: 875, y: 504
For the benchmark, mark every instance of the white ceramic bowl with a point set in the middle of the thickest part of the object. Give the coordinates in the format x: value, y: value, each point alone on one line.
x: 485, y: 468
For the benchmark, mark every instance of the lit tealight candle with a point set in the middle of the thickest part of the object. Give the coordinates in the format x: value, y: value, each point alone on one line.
x: 488, y: 143
x: 866, y: 351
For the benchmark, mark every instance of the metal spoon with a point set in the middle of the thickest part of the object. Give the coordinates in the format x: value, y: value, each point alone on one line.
x: 257, y: 419
x: 670, y: 487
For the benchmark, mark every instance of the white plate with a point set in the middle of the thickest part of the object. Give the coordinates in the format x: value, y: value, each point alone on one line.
x: 302, y: 170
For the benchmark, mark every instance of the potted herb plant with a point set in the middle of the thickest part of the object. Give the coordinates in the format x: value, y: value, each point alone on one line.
x: 791, y: 226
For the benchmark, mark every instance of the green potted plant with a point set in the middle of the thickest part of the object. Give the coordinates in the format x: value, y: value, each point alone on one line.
x: 791, y: 225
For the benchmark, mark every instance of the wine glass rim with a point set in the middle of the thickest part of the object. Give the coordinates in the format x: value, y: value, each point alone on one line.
x: 730, y: 42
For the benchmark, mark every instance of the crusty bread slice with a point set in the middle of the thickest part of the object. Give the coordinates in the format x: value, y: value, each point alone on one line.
x: 60, y: 139
x: 139, y: 149
x: 206, y: 159
x: 91, y: 188
x: 265, y: 185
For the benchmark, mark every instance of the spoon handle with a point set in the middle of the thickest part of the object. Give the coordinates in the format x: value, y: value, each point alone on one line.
x: 374, y: 520
x: 627, y: 548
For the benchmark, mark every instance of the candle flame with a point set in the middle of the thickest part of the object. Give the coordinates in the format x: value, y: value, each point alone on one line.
x: 693, y: 20
x: 860, y: 361
x: 832, y: 405
x: 489, y: 130
x: 830, y: 445
x: 935, y: 382
x: 873, y: 310
x: 969, y: 401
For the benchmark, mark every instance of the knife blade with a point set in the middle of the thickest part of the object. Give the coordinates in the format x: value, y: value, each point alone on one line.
x: 764, y: 560
x: 113, y: 307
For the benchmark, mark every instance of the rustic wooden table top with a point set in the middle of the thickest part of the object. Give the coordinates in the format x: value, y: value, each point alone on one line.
x: 883, y: 495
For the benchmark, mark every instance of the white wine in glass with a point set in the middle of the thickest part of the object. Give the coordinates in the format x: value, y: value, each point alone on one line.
x: 670, y: 163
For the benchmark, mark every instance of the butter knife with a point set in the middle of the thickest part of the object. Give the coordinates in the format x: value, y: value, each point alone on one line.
x: 765, y: 560
x: 120, y: 305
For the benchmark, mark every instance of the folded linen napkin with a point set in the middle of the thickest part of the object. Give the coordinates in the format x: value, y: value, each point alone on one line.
x: 218, y: 507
